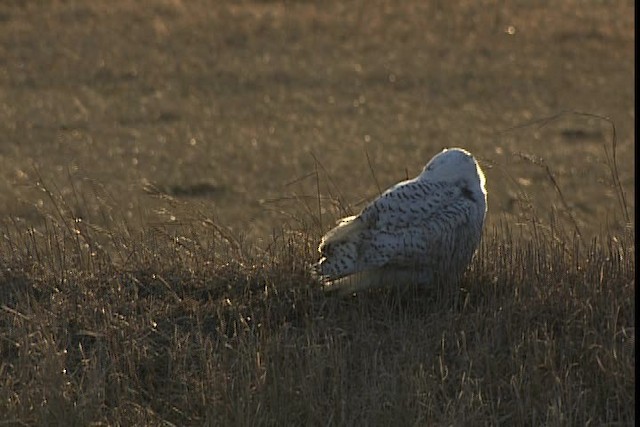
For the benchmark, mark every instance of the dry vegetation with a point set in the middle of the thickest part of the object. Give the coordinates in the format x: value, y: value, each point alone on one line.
x: 167, y: 171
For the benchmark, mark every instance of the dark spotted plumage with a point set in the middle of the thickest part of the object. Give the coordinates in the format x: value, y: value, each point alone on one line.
x: 418, y: 230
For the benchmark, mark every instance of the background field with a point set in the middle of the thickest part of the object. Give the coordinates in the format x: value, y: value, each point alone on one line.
x: 228, y: 102
x: 167, y: 167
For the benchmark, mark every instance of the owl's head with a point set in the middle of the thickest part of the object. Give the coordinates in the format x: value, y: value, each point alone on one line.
x: 453, y: 164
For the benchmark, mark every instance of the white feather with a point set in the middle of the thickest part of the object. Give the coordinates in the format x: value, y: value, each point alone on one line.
x: 417, y: 231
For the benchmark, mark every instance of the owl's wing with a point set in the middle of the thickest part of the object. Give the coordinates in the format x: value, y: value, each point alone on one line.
x: 408, y: 204
x: 401, y: 227
x: 416, y: 220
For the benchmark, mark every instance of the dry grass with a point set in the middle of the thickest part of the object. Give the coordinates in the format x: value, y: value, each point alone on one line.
x: 166, y: 172
x: 188, y: 330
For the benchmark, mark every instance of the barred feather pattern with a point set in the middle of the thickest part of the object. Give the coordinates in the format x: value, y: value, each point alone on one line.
x: 419, y: 230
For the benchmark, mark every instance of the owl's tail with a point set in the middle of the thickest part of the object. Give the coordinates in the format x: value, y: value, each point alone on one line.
x: 353, y: 283
x: 345, y: 229
x: 339, y: 250
x: 375, y: 278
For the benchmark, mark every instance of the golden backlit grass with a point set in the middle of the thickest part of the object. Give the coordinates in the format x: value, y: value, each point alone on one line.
x: 189, y: 327
x: 167, y: 168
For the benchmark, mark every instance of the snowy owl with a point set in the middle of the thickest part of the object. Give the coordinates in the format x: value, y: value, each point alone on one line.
x: 419, y: 231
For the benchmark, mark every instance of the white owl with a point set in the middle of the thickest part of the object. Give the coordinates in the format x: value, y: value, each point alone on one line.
x: 419, y: 231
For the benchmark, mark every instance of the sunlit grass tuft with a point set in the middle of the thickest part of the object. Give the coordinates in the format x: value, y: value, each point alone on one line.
x: 188, y: 325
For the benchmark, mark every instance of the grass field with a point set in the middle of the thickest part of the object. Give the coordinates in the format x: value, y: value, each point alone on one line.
x: 168, y: 167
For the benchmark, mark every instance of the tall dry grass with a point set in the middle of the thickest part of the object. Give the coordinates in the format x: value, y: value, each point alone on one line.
x: 190, y: 325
